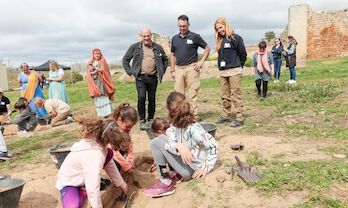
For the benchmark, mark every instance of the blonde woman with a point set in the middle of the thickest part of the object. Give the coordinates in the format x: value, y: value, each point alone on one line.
x: 30, y: 89
x: 231, y: 59
x: 57, y: 88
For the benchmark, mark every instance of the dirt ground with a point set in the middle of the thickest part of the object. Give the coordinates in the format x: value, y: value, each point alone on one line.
x: 40, y: 191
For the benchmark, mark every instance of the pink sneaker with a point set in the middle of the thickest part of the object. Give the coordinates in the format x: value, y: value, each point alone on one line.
x: 160, y: 189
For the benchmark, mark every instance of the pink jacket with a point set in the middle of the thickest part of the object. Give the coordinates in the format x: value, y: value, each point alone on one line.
x: 83, y: 166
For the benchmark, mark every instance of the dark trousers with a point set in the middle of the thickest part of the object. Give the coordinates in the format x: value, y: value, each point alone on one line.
x: 146, y: 85
x: 264, y: 87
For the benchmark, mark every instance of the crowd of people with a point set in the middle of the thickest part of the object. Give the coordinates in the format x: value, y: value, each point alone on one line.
x: 182, y: 149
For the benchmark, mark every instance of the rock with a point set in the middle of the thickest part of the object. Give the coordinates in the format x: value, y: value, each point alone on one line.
x: 339, y: 156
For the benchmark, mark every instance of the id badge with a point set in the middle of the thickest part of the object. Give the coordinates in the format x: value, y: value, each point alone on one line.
x: 222, y: 63
x: 188, y: 41
x: 227, y: 45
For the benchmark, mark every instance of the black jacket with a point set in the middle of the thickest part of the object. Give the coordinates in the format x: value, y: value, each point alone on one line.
x: 232, y: 51
x: 136, y: 53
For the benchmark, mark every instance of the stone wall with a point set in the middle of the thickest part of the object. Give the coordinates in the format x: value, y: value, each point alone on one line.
x: 319, y: 34
x: 327, y: 34
x: 163, y: 41
x: 297, y: 27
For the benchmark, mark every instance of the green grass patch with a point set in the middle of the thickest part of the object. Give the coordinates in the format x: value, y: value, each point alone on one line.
x: 255, y: 158
x: 193, y: 185
x: 336, y: 149
x: 301, y: 175
x: 32, y: 148
x: 322, y: 201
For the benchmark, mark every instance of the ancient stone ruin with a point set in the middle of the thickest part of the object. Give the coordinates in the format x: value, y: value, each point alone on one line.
x: 319, y: 34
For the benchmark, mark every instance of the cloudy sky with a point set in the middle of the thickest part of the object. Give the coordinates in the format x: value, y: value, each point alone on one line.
x: 34, y: 31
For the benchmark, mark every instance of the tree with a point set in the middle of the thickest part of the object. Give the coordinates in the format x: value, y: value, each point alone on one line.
x: 269, y: 35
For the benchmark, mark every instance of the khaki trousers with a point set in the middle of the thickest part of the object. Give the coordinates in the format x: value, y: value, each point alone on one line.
x: 60, y: 119
x: 188, y: 83
x: 231, y: 93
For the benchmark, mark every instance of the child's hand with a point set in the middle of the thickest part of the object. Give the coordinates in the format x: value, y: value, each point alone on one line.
x: 199, y: 174
x: 185, y: 153
x: 124, y: 188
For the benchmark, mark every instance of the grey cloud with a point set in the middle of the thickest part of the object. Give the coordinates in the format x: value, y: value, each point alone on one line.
x: 34, y: 31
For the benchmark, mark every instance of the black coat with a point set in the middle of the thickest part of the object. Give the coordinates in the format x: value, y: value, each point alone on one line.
x: 291, y: 58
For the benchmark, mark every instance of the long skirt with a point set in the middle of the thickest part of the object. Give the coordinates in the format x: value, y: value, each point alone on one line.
x: 103, y: 105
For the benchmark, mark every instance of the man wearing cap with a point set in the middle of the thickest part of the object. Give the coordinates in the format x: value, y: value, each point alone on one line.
x: 185, y: 67
x: 149, y: 63
x: 5, y: 107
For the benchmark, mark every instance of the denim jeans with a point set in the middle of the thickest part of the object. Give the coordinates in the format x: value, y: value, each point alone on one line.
x: 146, y: 85
x: 292, y: 73
x: 277, y: 66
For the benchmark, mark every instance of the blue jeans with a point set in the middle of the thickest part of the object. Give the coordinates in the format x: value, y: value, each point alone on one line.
x: 292, y: 73
x: 277, y: 65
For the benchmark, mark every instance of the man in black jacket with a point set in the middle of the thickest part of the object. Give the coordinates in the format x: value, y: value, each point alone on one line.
x: 149, y: 64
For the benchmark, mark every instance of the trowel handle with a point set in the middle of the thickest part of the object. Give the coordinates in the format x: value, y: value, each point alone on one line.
x: 240, y: 163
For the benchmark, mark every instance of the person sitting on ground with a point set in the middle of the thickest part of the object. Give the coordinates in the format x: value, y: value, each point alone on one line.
x: 79, y: 175
x: 125, y: 117
x: 26, y: 120
x: 58, y: 109
x: 5, y: 107
x: 159, y: 128
x: 187, y: 148
x: 262, y: 65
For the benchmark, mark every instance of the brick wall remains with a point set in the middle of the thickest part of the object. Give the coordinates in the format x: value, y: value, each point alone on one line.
x: 319, y: 34
x: 327, y: 34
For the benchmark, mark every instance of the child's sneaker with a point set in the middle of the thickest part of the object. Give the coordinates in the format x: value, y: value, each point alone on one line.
x: 5, y: 155
x: 69, y: 119
x: 175, y: 176
x: 160, y: 189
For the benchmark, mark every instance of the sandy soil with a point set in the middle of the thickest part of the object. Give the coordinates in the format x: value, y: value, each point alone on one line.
x: 40, y: 190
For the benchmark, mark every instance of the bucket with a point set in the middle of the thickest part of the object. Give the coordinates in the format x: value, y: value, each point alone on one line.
x: 59, y: 153
x: 210, y: 128
x: 10, y: 191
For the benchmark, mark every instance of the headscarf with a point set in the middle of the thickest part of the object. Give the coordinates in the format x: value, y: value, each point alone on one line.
x: 262, y: 61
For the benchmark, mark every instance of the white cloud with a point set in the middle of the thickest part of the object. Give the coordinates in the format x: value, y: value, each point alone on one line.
x: 36, y: 30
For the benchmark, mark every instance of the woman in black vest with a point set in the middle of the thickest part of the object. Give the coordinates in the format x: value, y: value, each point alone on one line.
x: 231, y: 59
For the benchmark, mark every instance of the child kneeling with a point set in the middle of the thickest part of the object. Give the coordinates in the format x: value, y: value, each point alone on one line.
x: 26, y: 120
x: 80, y: 174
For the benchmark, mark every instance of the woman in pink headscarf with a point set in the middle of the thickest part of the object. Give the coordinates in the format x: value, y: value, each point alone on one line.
x: 100, y: 86
x: 262, y: 64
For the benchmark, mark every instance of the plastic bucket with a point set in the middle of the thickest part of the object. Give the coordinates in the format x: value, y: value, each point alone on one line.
x: 10, y: 191
x: 210, y: 128
x: 59, y: 153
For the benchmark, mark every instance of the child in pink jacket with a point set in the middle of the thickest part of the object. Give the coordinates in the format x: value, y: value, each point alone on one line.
x: 80, y: 174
